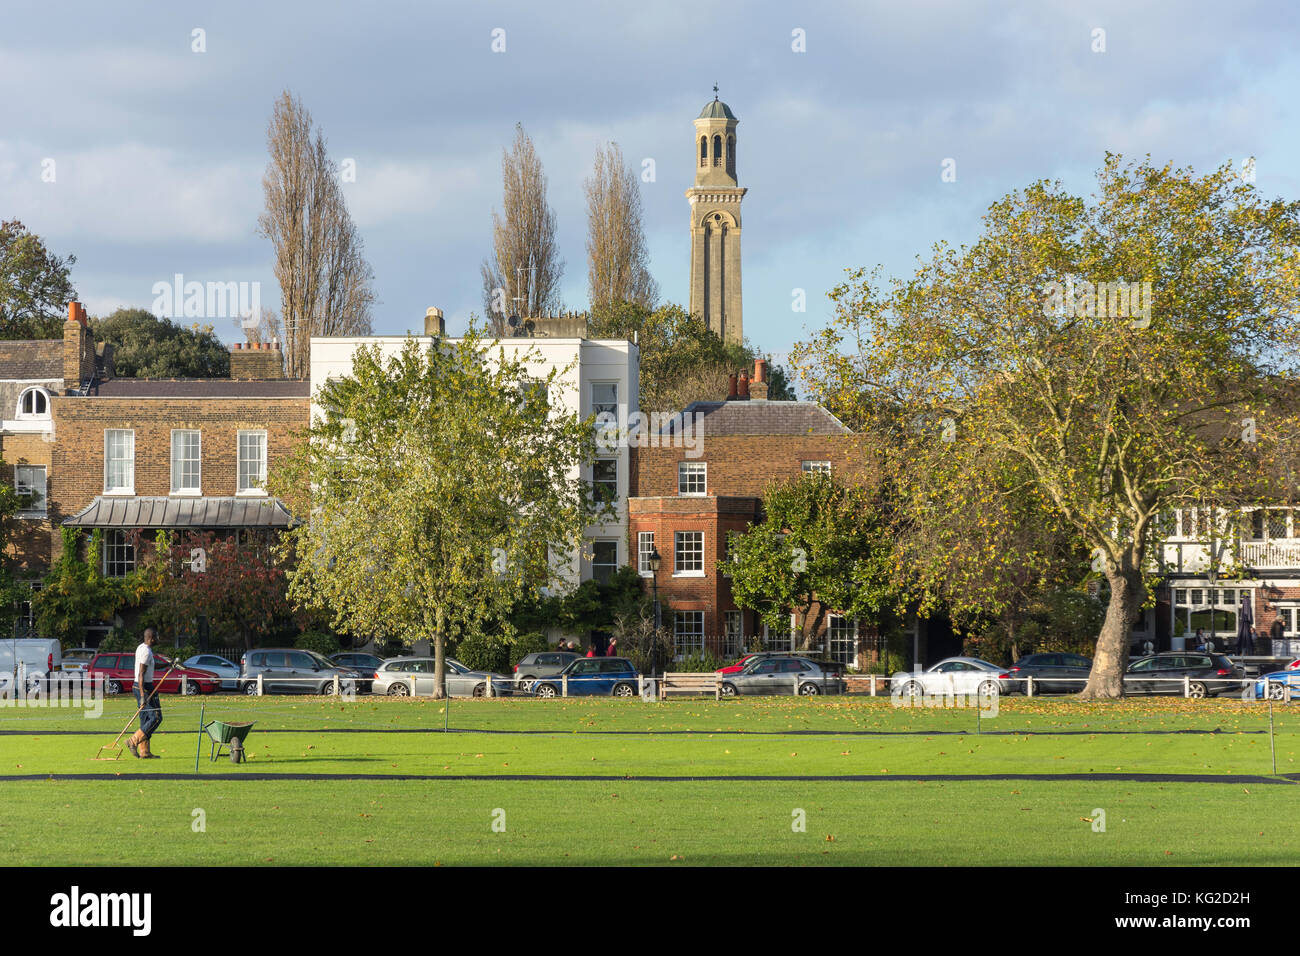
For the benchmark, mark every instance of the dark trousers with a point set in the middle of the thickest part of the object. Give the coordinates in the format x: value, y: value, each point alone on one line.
x: 151, y: 711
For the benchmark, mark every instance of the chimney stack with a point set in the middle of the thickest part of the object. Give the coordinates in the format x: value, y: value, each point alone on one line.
x: 434, y: 324
x: 758, y: 387
x: 261, y: 361
x: 78, y: 348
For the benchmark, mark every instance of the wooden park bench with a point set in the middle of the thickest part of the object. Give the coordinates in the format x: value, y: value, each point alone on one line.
x: 690, y: 683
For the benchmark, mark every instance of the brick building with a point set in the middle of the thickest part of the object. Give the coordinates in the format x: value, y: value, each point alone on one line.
x: 119, y: 455
x: 686, y: 496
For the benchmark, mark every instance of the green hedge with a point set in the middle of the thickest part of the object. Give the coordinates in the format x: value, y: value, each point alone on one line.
x: 482, y: 652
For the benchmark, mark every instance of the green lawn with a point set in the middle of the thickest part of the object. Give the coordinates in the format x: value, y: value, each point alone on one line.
x: 1035, y: 819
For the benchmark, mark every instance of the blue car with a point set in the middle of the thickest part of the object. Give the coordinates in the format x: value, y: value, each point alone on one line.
x: 1275, y: 682
x: 611, y: 676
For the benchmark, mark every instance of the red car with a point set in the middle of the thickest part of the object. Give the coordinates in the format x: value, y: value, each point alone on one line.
x: 739, y: 666
x: 118, y: 672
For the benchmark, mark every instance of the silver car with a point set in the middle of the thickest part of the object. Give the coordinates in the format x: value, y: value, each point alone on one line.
x: 397, y: 676
x: 783, y: 675
x: 953, y: 675
x: 228, y: 672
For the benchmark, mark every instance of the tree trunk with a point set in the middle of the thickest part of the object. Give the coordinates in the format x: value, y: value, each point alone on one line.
x: 439, y: 657
x: 1111, y: 659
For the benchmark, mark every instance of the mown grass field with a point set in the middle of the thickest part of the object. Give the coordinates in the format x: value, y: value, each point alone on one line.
x: 869, y: 779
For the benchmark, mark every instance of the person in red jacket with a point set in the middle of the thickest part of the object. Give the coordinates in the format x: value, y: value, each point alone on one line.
x: 591, y: 650
x: 610, y: 652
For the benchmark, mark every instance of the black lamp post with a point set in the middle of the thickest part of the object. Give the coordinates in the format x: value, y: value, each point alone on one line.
x: 655, y: 561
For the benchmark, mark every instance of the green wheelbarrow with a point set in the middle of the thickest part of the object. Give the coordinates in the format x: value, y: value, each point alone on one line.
x: 229, y: 736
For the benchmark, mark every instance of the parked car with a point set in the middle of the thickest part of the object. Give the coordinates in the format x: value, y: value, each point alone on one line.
x: 394, y: 678
x: 1277, y: 683
x: 541, y: 664
x: 953, y: 675
x: 1210, y: 674
x: 363, y: 664
x: 288, y: 670
x: 78, y: 658
x: 785, y: 675
x: 117, y: 669
x: 226, y: 670
x: 1049, y: 670
x: 747, y: 659
x: 615, y: 676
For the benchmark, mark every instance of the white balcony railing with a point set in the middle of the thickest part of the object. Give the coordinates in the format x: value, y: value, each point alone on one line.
x: 1271, y: 554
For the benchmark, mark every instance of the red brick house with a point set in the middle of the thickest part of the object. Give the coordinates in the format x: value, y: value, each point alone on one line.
x: 119, y: 455
x: 686, y: 496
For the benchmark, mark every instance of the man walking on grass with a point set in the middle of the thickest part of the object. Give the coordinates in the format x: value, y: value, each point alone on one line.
x: 146, y: 696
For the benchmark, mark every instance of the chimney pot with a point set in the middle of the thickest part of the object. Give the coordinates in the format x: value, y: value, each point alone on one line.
x: 744, y: 387
x: 731, y: 387
x: 237, y: 345
x: 760, y: 370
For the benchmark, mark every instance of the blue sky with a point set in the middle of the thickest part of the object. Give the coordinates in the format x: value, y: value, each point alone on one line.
x: 158, y: 150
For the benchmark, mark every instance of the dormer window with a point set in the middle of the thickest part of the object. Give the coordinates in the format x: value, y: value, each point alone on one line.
x: 34, y: 403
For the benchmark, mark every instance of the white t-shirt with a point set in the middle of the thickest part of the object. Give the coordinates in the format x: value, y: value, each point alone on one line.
x: 143, y: 655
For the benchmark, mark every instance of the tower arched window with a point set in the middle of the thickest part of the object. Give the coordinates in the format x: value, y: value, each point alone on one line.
x: 34, y: 403
x: 717, y: 151
x: 704, y: 150
x: 731, y: 155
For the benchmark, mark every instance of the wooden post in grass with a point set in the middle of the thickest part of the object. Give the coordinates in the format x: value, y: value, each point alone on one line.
x: 259, y: 685
x: 198, y: 746
x: 1029, y: 686
x: 1187, y: 686
x: 1272, y: 748
x: 336, y: 685
x: 564, y: 685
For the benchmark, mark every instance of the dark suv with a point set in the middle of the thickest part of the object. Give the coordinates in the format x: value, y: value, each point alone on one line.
x: 1053, y: 673
x: 1209, y: 674
x: 615, y: 676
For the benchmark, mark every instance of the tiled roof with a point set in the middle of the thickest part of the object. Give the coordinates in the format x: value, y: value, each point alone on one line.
x: 189, y: 513
x: 32, y: 359
x: 202, y: 388
x: 761, y: 418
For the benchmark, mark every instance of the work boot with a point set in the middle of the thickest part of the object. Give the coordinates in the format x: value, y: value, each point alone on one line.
x: 144, y: 750
x: 132, y: 743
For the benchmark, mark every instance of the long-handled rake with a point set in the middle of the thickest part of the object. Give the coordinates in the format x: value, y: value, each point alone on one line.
x: 116, y: 750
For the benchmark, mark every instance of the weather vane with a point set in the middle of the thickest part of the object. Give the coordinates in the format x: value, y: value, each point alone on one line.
x: 715, y: 91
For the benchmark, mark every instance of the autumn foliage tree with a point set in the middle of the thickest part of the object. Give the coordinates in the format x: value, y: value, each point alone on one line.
x: 237, y: 585
x: 1126, y: 353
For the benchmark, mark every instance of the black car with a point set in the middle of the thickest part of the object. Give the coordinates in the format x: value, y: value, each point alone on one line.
x: 1208, y: 674
x: 1050, y: 671
x: 541, y: 664
x: 365, y: 664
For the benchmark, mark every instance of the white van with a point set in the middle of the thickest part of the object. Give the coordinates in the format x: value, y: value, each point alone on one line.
x: 36, y: 658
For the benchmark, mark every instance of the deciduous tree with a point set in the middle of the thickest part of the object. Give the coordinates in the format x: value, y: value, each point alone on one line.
x: 35, y: 285
x: 523, y: 276
x: 618, y: 267
x: 442, y: 491
x: 1044, y: 345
